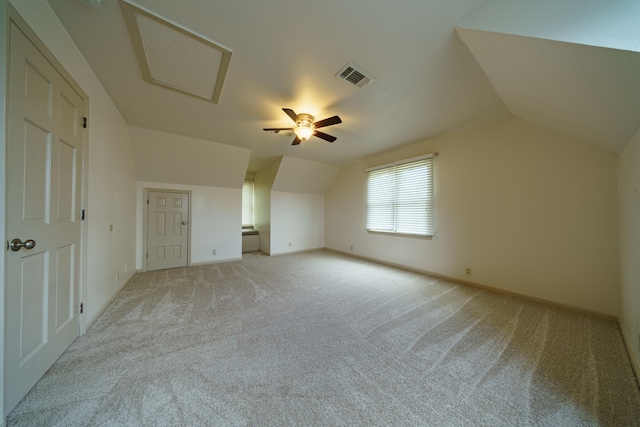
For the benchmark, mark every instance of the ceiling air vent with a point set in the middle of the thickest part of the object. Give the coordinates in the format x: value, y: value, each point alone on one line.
x: 354, y: 75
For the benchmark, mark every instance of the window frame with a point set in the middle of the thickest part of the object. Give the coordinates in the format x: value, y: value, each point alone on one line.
x: 253, y: 201
x: 393, y: 207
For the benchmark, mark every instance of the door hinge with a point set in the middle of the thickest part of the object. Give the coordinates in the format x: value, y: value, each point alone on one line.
x: 81, y: 308
x: 82, y: 215
x: 147, y: 201
x: 84, y: 122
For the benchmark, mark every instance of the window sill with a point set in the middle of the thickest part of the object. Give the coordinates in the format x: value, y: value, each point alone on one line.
x: 391, y: 233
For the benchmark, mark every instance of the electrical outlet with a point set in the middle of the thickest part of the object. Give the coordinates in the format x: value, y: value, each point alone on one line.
x: 117, y: 277
x: 289, y: 244
x: 467, y: 271
x: 351, y: 247
x: 214, y: 251
x: 126, y: 268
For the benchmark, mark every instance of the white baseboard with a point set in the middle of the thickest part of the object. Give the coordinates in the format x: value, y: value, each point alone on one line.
x: 631, y: 350
x: 217, y: 261
x: 295, y: 252
x: 481, y: 285
x: 106, y: 305
x: 628, y: 340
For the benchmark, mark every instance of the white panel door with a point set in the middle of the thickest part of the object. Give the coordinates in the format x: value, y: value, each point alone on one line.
x: 44, y: 151
x: 167, y: 230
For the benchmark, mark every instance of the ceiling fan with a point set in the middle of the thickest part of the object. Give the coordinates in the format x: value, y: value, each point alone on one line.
x: 306, y: 128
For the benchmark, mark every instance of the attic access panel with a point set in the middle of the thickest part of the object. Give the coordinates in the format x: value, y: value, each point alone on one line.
x: 174, y: 57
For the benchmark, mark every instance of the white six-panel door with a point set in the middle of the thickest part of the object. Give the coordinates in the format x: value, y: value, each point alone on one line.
x: 44, y: 151
x: 167, y: 230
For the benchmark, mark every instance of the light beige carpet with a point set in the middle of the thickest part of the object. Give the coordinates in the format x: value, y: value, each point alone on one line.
x: 324, y: 339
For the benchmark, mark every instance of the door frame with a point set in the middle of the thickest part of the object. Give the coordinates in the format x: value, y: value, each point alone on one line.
x: 145, y: 222
x: 4, y: 54
x: 12, y: 16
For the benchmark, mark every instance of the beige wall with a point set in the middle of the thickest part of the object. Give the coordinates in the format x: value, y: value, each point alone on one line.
x: 263, y: 182
x: 212, y: 172
x: 297, y: 222
x: 289, y: 204
x: 216, y: 222
x: 630, y: 247
x: 530, y: 210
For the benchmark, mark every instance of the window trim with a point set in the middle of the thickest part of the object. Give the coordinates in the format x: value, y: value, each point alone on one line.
x: 401, y: 162
x: 430, y: 201
x: 253, y: 219
x: 395, y: 233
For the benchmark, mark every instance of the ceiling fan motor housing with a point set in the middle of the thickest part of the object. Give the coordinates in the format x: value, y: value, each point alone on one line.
x: 305, y: 120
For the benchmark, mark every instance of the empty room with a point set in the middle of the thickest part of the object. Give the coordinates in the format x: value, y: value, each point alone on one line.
x: 421, y: 212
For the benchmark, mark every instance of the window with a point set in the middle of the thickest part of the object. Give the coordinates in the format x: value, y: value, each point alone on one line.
x: 400, y: 197
x: 247, y: 204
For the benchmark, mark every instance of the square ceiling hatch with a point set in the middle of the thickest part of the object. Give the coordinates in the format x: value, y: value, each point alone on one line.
x: 174, y: 57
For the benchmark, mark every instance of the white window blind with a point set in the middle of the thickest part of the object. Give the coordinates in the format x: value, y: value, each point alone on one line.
x: 400, y: 197
x: 247, y: 204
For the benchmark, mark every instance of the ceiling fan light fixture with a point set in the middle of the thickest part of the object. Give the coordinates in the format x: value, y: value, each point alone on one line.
x: 303, y: 132
x: 92, y: 3
x: 306, y: 126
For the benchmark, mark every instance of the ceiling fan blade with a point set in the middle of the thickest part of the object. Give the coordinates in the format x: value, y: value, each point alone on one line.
x: 296, y: 141
x: 328, y: 122
x: 275, y: 129
x: 291, y: 114
x: 324, y: 136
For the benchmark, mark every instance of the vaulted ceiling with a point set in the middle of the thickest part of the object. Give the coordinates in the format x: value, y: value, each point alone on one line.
x: 439, y: 66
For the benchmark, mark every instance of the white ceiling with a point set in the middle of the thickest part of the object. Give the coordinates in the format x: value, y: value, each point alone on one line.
x: 428, y: 82
x: 591, y: 93
x: 605, y: 23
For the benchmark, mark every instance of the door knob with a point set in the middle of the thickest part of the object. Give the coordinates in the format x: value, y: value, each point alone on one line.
x: 184, y: 222
x: 17, y: 244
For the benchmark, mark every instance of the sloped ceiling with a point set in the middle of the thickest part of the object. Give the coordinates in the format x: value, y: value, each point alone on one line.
x: 588, y: 92
x: 286, y: 54
x: 439, y: 66
x: 317, y: 176
x: 603, y: 23
x: 572, y: 66
x: 167, y: 158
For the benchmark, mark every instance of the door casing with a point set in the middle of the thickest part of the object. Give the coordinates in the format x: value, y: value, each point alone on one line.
x: 15, y: 18
x: 145, y: 221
